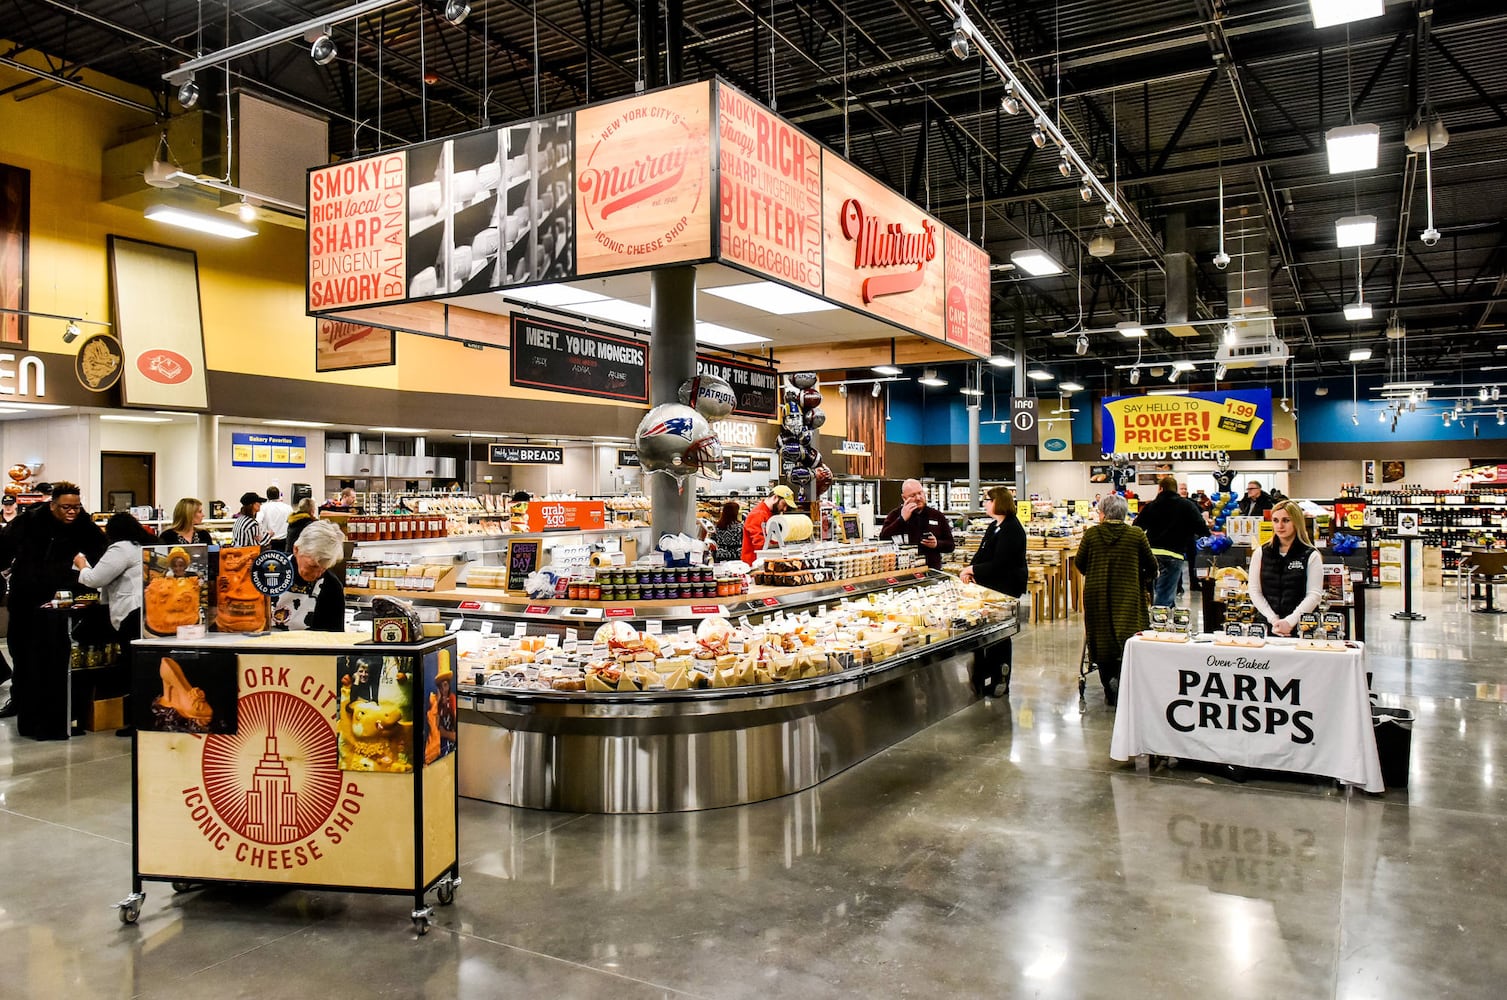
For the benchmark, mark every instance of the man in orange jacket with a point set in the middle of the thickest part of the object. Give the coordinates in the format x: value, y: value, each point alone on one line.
x: 780, y: 499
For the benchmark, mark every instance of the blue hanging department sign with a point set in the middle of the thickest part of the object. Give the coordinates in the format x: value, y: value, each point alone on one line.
x: 268, y: 451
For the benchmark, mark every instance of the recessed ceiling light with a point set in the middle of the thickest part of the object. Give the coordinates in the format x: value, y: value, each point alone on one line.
x: 1037, y: 263
x: 1355, y: 231
x: 726, y: 336
x: 552, y: 295
x: 1001, y: 361
x: 885, y: 369
x: 1130, y: 331
x: 296, y: 423
x: 1069, y: 387
x: 198, y: 223
x: 1361, y: 354
x: 1040, y: 375
x: 1352, y: 147
x: 615, y: 311
x: 128, y: 418
x: 1328, y: 13
x: 781, y: 300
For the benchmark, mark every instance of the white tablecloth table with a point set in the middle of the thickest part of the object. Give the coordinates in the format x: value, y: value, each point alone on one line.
x: 1274, y: 707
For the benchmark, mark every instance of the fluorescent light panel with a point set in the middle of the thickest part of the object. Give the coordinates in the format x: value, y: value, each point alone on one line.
x: 1184, y: 366
x: 126, y: 418
x: 1328, y: 13
x: 552, y: 295
x: 1069, y: 386
x: 770, y: 297
x: 1039, y: 375
x: 971, y: 392
x: 1037, y: 263
x: 726, y: 336
x: 1352, y: 147
x: 998, y: 361
x: 1355, y: 231
x: 885, y: 369
x: 399, y: 430
x: 1131, y: 331
x: 210, y: 225
x: 296, y: 423
x: 935, y: 383
x: 1361, y: 354
x: 1358, y: 311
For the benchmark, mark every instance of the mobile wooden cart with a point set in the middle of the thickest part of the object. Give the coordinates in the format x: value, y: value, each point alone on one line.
x: 309, y: 760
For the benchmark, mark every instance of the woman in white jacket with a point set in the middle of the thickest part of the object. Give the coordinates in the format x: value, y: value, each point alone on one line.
x: 118, y: 577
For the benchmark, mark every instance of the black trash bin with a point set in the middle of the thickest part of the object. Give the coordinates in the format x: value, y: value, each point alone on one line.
x: 1394, y: 743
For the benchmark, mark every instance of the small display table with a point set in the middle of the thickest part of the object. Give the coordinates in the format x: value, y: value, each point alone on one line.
x: 309, y: 760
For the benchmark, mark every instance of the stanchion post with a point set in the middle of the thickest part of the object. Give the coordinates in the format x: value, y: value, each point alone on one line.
x: 1407, y: 613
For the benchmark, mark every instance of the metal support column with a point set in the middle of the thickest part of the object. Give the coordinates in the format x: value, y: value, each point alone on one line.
x: 1022, y: 494
x: 974, y: 405
x: 672, y: 360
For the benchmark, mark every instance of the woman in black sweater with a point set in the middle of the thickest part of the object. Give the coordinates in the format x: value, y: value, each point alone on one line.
x: 999, y: 564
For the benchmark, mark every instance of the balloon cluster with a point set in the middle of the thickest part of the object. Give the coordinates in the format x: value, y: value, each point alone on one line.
x: 1226, y: 505
x: 1343, y: 545
x: 1214, y: 543
x: 676, y: 439
x: 802, y: 417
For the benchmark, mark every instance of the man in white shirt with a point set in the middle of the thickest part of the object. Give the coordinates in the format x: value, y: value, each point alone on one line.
x: 273, y: 518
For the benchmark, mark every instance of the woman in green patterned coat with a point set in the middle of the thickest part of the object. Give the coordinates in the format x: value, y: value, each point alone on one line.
x: 1118, y: 572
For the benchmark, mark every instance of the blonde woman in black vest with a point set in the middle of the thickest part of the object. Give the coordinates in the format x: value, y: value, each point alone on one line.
x: 1287, y: 573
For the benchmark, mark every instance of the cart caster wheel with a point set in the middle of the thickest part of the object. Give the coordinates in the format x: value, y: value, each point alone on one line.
x: 182, y: 886
x: 130, y: 907
x: 445, y: 891
x: 421, y: 920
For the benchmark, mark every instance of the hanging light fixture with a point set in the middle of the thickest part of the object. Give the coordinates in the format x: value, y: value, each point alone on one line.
x: 1065, y: 166
x: 1220, y: 372
x: 1010, y: 103
x: 188, y: 93
x: 1135, y: 376
x: 1082, y: 345
x: 457, y: 11
x: 929, y: 378
x: 875, y: 391
x: 1109, y: 219
x: 1086, y: 191
x: 960, y: 46
x: 1038, y: 135
x: 1229, y: 333
x: 71, y: 332
x: 323, y: 50
x: 1173, y: 375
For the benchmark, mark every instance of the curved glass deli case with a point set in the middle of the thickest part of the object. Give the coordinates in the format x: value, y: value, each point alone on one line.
x: 659, y: 713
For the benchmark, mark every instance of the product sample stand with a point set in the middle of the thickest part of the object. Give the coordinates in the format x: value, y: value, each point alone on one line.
x: 309, y: 760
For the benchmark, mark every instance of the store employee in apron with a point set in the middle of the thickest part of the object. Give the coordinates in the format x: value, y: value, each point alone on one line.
x: 917, y: 524
x: 1287, y: 573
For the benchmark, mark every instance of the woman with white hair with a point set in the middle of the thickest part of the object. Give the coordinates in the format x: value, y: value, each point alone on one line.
x: 1118, y: 572
x: 316, y: 601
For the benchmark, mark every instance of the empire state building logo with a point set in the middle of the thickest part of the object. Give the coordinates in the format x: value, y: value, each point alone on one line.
x: 277, y: 780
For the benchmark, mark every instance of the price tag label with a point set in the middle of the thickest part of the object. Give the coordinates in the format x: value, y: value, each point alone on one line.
x: 743, y: 622
x: 572, y: 637
x: 891, y: 580
x: 616, y: 612
x: 770, y: 602
x: 536, y: 609
x: 706, y: 609
x: 919, y: 576
x: 470, y: 605
x: 456, y: 624
x: 519, y: 630
x: 849, y: 588
x: 486, y: 628
x: 654, y: 627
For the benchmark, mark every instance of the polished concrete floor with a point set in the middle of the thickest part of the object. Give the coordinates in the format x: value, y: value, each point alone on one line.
x: 998, y: 854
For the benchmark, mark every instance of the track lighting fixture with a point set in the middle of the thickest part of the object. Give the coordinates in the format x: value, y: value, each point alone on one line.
x: 1229, y: 333
x: 1355, y: 419
x: 71, y: 332
x: 457, y: 11
x: 1496, y: 393
x: 874, y: 392
x: 1082, y: 346
x: 1484, y: 395
x: 960, y: 46
x: 1109, y: 219
x: 1219, y: 373
x: 1286, y: 407
x: 246, y: 212
x: 1085, y: 191
x: 323, y: 50
x: 1174, y: 375
x: 1135, y: 376
x: 1038, y: 135
x: 1501, y: 418
x: 1065, y: 166
x: 188, y: 93
x: 1010, y: 102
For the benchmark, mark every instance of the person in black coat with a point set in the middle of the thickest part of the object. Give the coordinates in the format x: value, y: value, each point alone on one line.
x: 39, y: 547
x: 1171, y: 523
x: 999, y: 564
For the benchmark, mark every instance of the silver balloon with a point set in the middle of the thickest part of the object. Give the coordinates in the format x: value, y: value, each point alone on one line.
x: 710, y: 395
x: 804, y: 380
x: 670, y: 439
x: 816, y: 417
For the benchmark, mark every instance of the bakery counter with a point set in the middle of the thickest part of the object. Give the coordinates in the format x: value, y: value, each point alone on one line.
x: 780, y: 712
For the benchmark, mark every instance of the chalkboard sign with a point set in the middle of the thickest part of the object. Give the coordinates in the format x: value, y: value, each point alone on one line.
x: 628, y: 458
x: 740, y: 463
x: 583, y: 363
x: 523, y: 454
x: 756, y: 386
x: 761, y: 464
x: 848, y: 529
x: 523, y: 559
